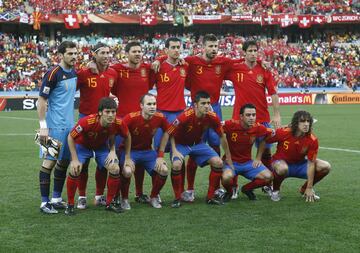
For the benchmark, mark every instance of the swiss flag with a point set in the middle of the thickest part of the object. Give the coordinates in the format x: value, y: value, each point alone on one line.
x: 304, y: 21
x: 318, y: 19
x: 286, y: 20
x: 71, y: 21
x: 148, y: 19
x: 85, y: 19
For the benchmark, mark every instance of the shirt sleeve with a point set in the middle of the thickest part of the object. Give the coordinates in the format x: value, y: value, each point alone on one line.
x: 270, y: 83
x: 48, y: 82
x: 79, y: 128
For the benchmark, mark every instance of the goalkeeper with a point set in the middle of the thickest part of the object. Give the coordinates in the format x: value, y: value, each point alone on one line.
x: 56, y: 116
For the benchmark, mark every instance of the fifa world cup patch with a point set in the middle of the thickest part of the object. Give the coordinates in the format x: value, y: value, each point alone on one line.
x: 78, y: 129
x: 46, y: 90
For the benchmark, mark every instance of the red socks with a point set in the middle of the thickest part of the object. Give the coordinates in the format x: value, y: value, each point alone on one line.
x: 191, y: 168
x: 317, y: 177
x: 139, y: 180
x: 158, y: 182
x: 82, y: 182
x: 124, y: 186
x: 176, y: 180
x: 100, y: 179
x: 71, y: 185
x: 112, y: 185
x: 256, y: 183
x: 214, y: 182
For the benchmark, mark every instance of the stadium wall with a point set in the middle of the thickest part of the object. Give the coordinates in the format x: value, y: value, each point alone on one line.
x: 11, y: 103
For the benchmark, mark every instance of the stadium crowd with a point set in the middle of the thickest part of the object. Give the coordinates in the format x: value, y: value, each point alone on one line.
x: 166, y: 7
x: 330, y: 62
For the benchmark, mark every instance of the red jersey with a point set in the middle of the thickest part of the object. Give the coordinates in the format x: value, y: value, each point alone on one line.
x: 93, y: 87
x: 250, y: 86
x: 170, y: 85
x: 188, y: 129
x: 241, y: 140
x: 131, y: 85
x: 89, y: 132
x: 142, y: 131
x: 294, y: 149
x: 207, y: 76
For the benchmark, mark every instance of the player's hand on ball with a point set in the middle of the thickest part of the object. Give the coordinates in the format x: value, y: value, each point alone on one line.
x: 111, y: 158
x: 129, y: 163
x: 309, y: 195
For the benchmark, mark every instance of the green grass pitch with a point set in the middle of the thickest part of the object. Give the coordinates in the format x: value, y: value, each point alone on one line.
x: 291, y: 225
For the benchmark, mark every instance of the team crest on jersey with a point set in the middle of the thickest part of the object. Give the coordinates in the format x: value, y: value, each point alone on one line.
x: 143, y: 72
x: 182, y: 72
x: 259, y: 78
x: 218, y: 69
x: 111, y: 82
x: 79, y: 129
x: 46, y: 90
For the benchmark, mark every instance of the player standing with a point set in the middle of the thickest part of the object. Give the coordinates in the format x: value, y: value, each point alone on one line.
x: 251, y: 83
x: 56, y: 116
x: 296, y: 156
x: 93, y: 87
x: 241, y: 135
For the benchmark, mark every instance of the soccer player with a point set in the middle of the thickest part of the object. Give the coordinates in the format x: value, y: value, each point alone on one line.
x: 251, y: 83
x: 56, y: 116
x: 296, y: 156
x: 143, y: 126
x: 93, y: 87
x: 206, y: 73
x: 186, y: 139
x: 170, y: 85
x: 135, y: 78
x: 94, y: 134
x: 241, y: 135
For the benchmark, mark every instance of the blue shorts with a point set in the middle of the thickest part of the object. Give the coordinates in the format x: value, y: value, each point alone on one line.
x: 259, y: 139
x: 200, y: 153
x: 84, y: 154
x: 61, y: 135
x: 210, y: 136
x: 170, y: 116
x: 246, y: 169
x: 298, y: 170
x: 145, y: 158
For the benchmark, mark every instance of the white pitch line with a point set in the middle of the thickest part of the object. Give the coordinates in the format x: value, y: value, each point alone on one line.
x: 15, y: 134
x: 342, y: 149
x: 5, y: 117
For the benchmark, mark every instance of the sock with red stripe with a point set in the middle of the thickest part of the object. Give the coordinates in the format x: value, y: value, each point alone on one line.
x: 277, y: 181
x: 256, y: 183
x: 317, y: 177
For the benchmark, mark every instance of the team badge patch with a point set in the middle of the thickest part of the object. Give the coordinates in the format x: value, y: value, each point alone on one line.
x: 218, y: 69
x: 182, y: 72
x: 46, y: 90
x: 79, y: 129
x: 259, y: 79
x: 143, y: 72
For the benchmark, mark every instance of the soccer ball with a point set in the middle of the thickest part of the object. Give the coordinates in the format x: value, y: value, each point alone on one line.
x: 219, y: 193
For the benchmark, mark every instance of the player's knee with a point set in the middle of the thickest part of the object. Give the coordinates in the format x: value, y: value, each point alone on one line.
x: 127, y: 172
x: 216, y: 162
x: 177, y: 164
x: 323, y: 166
x: 280, y: 168
x: 48, y: 164
x: 268, y: 176
x: 227, y: 176
x: 113, y: 168
x: 163, y: 171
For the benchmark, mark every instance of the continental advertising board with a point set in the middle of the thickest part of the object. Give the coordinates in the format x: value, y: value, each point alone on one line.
x: 30, y: 103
